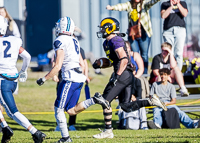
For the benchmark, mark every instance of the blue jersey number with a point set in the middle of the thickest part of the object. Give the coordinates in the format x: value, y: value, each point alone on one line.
x: 76, y: 46
x: 7, y: 44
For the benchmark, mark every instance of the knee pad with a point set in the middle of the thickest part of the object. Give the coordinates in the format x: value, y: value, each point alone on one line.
x: 60, y: 115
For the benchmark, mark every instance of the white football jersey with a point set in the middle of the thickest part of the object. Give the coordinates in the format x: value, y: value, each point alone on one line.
x: 9, y: 51
x: 71, y: 48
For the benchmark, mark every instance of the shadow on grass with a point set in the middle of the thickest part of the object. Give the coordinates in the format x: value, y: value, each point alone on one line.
x: 50, y: 125
x: 93, y: 124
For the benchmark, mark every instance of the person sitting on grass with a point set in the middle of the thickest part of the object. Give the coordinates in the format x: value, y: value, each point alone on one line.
x: 166, y: 60
x: 167, y: 93
x: 139, y: 116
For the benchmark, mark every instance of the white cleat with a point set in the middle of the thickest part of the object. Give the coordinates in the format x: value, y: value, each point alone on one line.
x: 157, y: 102
x: 107, y: 133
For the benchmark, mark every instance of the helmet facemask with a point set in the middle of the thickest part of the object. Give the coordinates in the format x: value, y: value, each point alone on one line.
x: 102, y: 33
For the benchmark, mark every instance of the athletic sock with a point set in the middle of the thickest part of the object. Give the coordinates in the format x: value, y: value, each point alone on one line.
x: 33, y: 130
x: 21, y: 120
x: 4, y: 124
x: 63, y: 129
x: 87, y: 103
x: 183, y: 88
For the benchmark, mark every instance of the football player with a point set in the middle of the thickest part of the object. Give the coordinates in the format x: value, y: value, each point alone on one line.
x: 10, y: 48
x: 120, y: 83
x: 67, y: 52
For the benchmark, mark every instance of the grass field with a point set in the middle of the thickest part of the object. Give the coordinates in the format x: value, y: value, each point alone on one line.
x: 36, y: 103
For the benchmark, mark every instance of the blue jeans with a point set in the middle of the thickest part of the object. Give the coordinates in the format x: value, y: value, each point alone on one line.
x: 176, y: 36
x: 141, y: 45
x: 184, y: 118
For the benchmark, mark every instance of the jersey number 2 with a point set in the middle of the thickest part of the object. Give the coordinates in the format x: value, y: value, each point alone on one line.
x: 6, y: 43
x: 76, y: 46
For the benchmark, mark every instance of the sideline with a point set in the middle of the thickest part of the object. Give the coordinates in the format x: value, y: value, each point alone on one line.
x: 98, y: 111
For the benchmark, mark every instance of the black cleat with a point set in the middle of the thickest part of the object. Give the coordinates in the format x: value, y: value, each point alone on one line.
x: 98, y: 98
x: 38, y: 137
x: 7, y: 134
x: 64, y: 140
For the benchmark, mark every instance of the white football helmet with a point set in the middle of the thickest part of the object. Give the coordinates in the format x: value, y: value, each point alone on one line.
x: 3, y: 25
x: 65, y: 25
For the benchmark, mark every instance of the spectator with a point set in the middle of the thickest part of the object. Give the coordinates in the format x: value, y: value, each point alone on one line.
x: 8, y: 81
x: 173, y: 13
x: 167, y: 93
x: 121, y: 80
x: 12, y: 26
x: 140, y: 118
x: 133, y: 7
x: 166, y: 60
x: 136, y: 60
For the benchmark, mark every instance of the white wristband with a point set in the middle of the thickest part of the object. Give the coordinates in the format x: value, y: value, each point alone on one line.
x: 44, y: 79
x: 101, y: 61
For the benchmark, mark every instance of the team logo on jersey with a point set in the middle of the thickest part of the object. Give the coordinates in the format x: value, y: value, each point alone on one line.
x: 57, y: 44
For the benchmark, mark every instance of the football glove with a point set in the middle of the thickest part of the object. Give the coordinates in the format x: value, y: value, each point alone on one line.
x: 22, y: 76
x: 114, y: 79
x: 41, y: 81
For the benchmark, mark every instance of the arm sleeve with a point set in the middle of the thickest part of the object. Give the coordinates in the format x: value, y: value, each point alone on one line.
x: 150, y: 3
x: 173, y: 91
x: 183, y: 3
x: 117, y: 42
x: 163, y: 6
x: 26, y: 60
x: 122, y: 6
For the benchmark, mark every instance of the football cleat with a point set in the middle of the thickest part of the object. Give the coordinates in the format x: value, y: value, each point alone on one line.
x: 64, y: 140
x: 98, y: 98
x: 107, y: 133
x: 154, y: 100
x: 38, y: 137
x: 7, y: 134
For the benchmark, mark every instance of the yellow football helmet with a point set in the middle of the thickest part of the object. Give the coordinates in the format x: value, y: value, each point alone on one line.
x: 108, y: 26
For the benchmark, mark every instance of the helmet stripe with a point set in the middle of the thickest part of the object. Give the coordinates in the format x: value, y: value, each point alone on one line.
x: 68, y: 24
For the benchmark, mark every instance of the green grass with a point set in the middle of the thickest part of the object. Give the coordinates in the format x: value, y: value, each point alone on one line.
x: 34, y: 98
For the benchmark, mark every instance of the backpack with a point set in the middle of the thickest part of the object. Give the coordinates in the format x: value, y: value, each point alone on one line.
x: 129, y: 120
x: 170, y: 119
